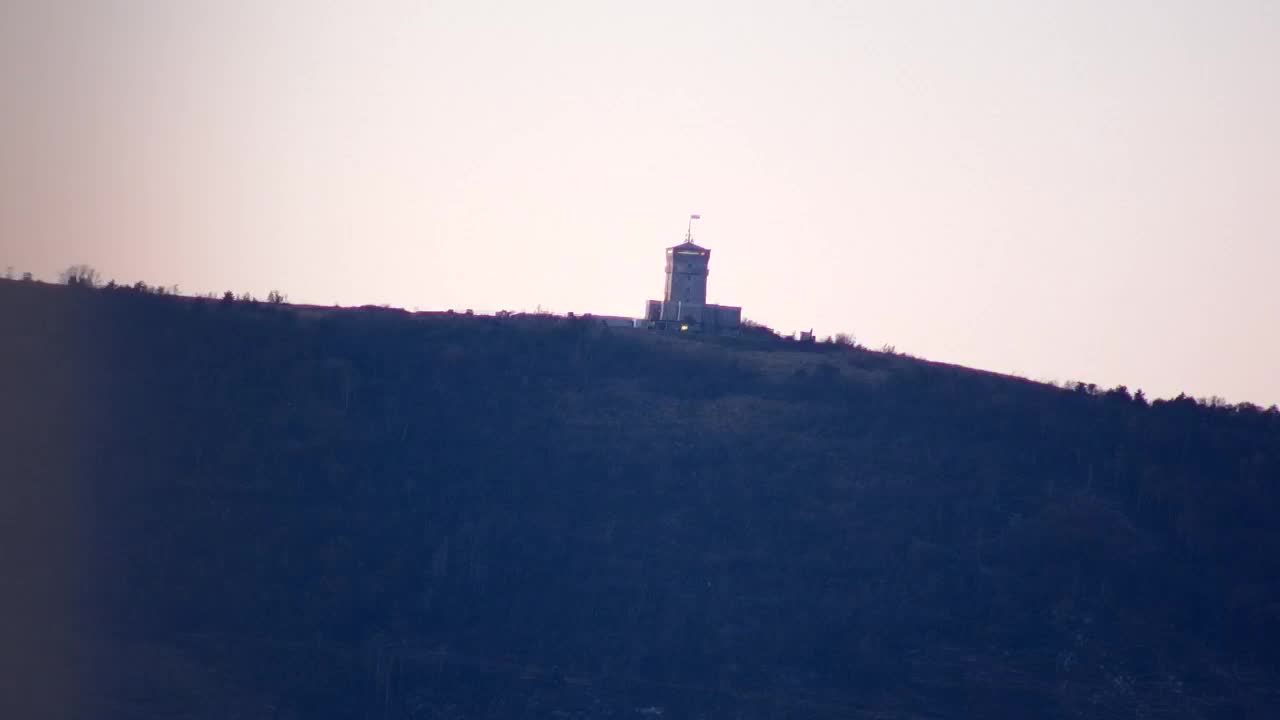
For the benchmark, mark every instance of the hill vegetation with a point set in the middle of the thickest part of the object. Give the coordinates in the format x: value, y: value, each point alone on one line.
x: 218, y: 508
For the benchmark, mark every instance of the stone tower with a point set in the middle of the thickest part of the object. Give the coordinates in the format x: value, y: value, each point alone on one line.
x: 684, y: 305
x: 687, y: 273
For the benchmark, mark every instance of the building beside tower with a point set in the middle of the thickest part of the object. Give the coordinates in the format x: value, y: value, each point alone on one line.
x: 684, y: 305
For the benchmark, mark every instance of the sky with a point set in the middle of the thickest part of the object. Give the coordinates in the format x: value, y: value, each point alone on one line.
x: 1074, y: 190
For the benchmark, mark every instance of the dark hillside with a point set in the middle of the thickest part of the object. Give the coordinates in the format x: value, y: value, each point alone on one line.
x: 249, y: 510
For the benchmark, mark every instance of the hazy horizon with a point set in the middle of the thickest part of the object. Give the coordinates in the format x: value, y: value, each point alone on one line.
x: 1066, y: 191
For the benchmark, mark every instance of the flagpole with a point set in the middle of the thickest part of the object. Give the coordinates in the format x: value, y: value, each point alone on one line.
x: 688, y: 233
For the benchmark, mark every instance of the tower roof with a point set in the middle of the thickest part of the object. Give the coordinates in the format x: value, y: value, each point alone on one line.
x: 690, y: 246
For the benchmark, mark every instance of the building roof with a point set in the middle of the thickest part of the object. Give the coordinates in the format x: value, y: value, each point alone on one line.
x: 686, y: 245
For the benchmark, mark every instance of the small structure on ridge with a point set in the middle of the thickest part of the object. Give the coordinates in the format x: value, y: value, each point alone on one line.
x: 684, y: 305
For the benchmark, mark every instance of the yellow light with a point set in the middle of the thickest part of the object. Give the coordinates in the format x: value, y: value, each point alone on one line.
x: 683, y: 328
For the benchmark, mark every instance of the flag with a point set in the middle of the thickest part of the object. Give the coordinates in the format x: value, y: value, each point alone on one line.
x: 695, y: 217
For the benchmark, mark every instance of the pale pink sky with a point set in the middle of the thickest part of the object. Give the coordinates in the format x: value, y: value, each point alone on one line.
x: 1066, y: 190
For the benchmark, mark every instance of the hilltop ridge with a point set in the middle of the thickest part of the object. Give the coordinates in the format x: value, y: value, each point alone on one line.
x: 254, y: 509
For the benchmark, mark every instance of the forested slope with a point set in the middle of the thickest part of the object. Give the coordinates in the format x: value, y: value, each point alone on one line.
x: 230, y: 509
